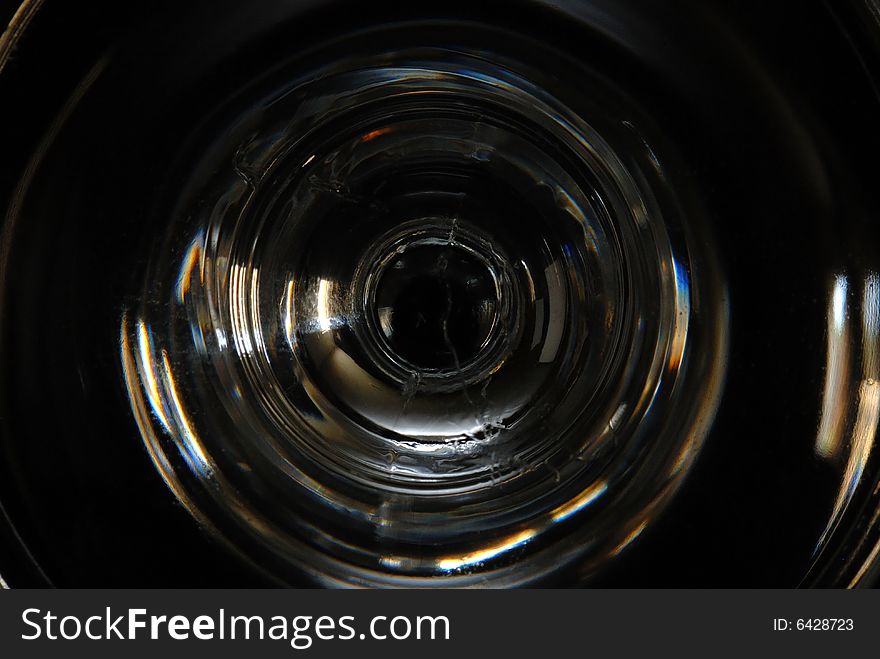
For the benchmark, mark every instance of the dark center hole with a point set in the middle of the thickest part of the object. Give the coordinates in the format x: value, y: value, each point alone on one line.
x: 436, y: 306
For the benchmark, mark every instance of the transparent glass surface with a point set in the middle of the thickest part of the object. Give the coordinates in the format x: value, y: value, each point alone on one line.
x: 524, y: 294
x: 423, y: 323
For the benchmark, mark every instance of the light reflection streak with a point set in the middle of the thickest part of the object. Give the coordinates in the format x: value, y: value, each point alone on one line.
x: 477, y: 557
x: 135, y: 384
x: 674, y: 346
x: 834, y: 398
x: 555, y: 312
x: 867, y: 413
x: 161, y: 393
x: 191, y: 259
x: 584, y: 499
x: 151, y: 386
x: 254, y: 309
x: 289, y: 318
x: 373, y: 134
x: 865, y: 428
x: 570, y: 508
x: 629, y: 539
x: 683, y: 314
x: 867, y: 563
x: 191, y: 443
x: 324, y: 305
x: 238, y: 286
x: 713, y: 387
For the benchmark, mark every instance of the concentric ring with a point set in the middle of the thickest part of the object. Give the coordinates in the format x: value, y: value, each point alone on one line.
x: 427, y: 327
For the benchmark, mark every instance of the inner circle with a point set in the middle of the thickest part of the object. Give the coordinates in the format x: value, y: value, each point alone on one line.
x: 436, y: 304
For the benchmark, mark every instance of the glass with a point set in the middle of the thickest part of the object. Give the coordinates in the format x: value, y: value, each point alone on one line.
x: 581, y: 294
